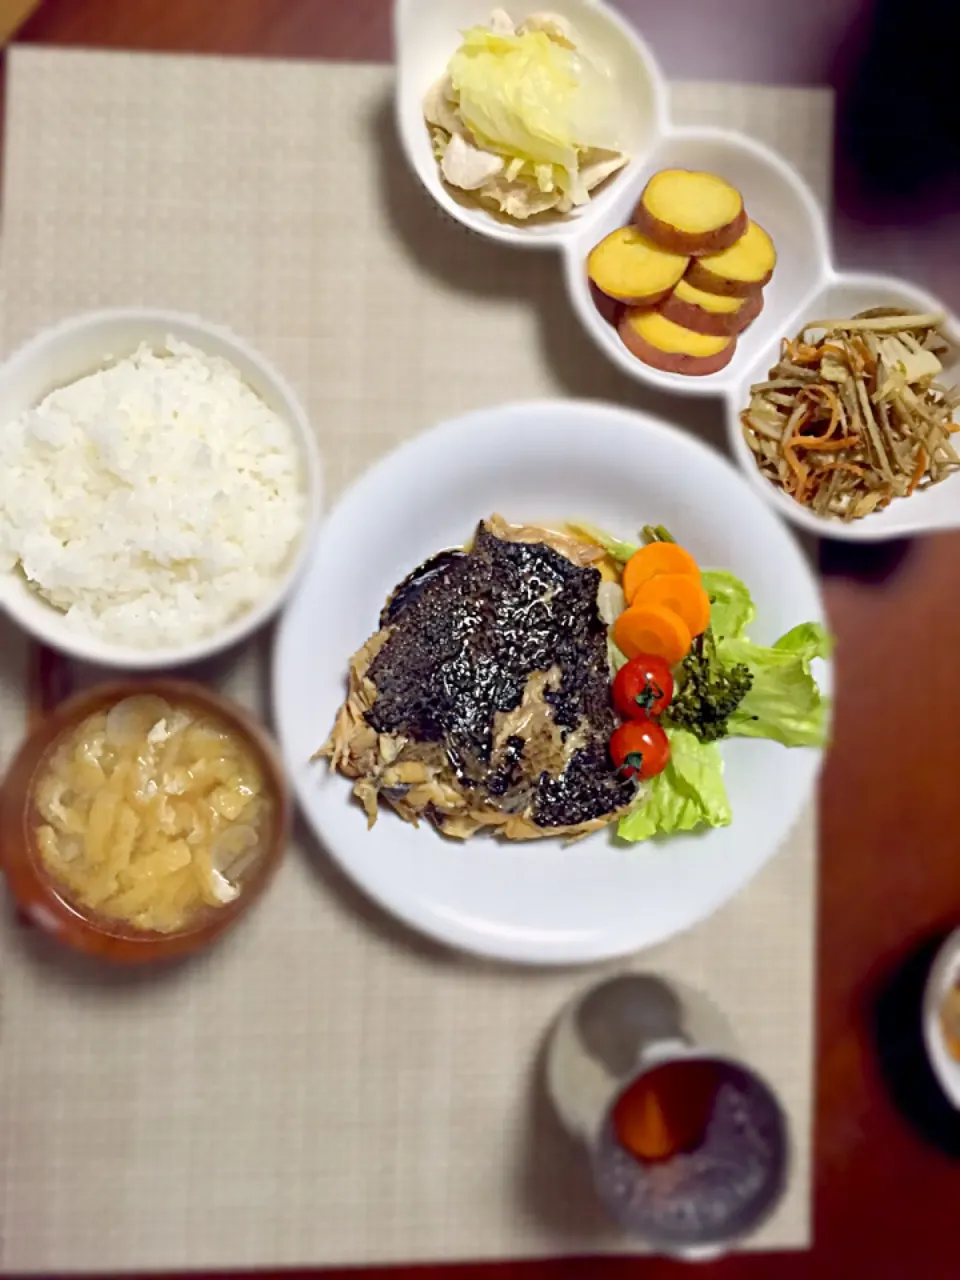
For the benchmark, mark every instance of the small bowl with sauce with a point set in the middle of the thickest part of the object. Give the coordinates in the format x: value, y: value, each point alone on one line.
x: 141, y: 820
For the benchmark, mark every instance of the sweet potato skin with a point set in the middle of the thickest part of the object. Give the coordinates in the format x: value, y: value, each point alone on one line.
x: 699, y: 320
x: 702, y: 277
x: 693, y: 243
x: 740, y: 272
x: 609, y: 308
x: 673, y: 361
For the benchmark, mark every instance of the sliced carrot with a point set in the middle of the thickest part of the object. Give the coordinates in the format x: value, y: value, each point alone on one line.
x: 658, y: 557
x: 683, y: 594
x: 652, y: 629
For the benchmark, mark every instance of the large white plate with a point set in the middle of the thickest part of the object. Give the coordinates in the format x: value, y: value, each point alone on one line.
x: 543, y: 902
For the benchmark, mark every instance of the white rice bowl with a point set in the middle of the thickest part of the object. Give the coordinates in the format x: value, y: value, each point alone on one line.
x: 155, y: 499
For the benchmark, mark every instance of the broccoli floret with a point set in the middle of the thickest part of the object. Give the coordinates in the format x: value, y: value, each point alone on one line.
x: 707, y: 692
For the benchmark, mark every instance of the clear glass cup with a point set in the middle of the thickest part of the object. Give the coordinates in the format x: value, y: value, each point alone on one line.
x: 617, y: 1044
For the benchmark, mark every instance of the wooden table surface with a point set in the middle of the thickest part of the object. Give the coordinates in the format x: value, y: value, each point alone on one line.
x: 887, y: 1191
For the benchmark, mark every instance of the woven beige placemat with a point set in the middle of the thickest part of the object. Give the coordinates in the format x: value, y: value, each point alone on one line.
x: 323, y: 1087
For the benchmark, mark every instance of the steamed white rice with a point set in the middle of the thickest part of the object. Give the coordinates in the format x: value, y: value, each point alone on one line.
x: 153, y: 501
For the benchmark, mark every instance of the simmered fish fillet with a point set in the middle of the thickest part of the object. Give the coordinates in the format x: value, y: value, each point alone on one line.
x: 484, y: 699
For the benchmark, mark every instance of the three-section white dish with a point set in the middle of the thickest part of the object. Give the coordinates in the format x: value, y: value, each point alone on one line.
x: 806, y: 284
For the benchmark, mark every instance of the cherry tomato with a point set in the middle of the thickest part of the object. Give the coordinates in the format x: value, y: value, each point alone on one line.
x: 640, y: 748
x: 642, y: 686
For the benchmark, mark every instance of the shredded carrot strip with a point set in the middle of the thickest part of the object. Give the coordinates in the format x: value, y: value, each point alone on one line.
x: 918, y: 470
x: 833, y: 401
x: 819, y: 444
x: 805, y: 354
x: 798, y: 469
x: 868, y: 363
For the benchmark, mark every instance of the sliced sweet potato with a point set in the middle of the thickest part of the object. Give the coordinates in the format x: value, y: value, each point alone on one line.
x: 710, y: 313
x: 740, y: 271
x: 660, y: 343
x: 689, y: 212
x: 628, y: 267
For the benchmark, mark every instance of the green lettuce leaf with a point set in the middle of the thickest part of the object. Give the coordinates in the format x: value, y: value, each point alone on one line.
x: 784, y: 702
x: 688, y: 794
x: 808, y: 639
x: 731, y: 606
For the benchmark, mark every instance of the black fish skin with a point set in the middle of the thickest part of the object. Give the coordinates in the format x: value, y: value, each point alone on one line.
x: 468, y: 631
x: 414, y: 583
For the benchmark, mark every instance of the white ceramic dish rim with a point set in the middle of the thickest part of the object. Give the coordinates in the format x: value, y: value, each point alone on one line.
x: 944, y: 972
x: 46, y: 624
x: 568, y: 237
x: 465, y: 937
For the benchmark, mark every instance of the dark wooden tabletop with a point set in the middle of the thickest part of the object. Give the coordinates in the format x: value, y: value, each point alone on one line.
x: 887, y: 1189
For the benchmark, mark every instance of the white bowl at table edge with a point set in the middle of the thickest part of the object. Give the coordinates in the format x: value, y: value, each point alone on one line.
x: 944, y: 973
x: 80, y: 344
